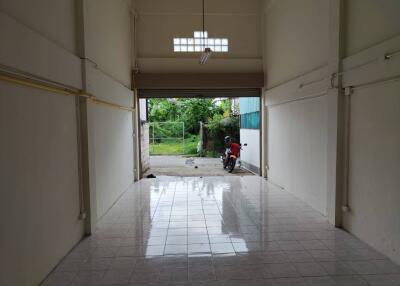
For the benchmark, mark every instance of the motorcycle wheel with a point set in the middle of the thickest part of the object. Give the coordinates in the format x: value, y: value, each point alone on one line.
x: 225, y: 162
x: 231, y: 166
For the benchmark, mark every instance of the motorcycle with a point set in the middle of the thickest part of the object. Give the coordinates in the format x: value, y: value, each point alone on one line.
x: 230, y: 158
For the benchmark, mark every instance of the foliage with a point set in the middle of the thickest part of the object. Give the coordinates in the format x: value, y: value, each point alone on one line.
x: 213, y: 154
x: 219, y: 127
x: 166, y: 115
x: 191, y: 111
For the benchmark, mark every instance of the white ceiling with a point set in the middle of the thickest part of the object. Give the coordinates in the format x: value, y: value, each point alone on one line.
x: 159, y: 21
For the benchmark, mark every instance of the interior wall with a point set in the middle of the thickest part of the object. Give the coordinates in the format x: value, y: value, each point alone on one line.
x: 370, y: 22
x: 110, y: 141
x: 159, y: 22
x: 302, y: 111
x: 25, y: 50
x: 296, y: 53
x: 374, y: 180
x: 296, y: 38
x: 108, y: 37
x: 39, y: 181
x: 374, y: 155
x: 54, y: 20
x: 297, y: 149
x: 40, y: 200
x: 108, y: 41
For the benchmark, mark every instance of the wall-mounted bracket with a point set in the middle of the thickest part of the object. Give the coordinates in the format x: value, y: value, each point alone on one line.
x: 348, y: 90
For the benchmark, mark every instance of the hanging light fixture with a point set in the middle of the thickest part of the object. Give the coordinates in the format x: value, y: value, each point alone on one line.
x: 207, y: 51
x: 205, y: 56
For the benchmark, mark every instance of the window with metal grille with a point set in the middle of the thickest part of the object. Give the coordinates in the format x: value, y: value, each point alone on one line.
x: 199, y: 42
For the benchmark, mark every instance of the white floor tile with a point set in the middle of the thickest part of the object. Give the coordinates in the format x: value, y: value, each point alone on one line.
x: 219, y: 231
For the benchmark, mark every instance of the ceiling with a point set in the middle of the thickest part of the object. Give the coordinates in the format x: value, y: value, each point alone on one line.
x: 159, y: 21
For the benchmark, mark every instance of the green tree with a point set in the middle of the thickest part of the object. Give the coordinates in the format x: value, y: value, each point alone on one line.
x: 191, y: 111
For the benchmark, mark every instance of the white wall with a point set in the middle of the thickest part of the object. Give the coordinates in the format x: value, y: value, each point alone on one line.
x: 374, y: 154
x: 145, y: 146
x: 112, y: 148
x: 54, y: 20
x: 250, y: 153
x: 110, y: 136
x: 108, y: 37
x: 374, y: 176
x: 297, y: 148
x: 143, y: 109
x: 108, y: 42
x: 39, y: 198
x: 296, y: 52
x: 160, y: 21
x: 39, y: 178
x: 302, y: 121
x: 381, y: 18
x: 30, y: 52
x: 39, y: 182
x: 296, y: 38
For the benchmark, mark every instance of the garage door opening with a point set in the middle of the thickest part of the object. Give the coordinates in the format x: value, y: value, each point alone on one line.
x: 183, y: 135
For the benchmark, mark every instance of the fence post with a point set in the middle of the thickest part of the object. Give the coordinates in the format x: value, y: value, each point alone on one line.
x: 201, y: 139
x: 153, y: 131
x: 183, y: 138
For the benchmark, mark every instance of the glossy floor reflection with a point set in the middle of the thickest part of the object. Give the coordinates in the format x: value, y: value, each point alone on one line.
x: 219, y: 231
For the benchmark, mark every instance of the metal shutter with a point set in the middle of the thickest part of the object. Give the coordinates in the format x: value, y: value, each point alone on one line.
x: 199, y: 93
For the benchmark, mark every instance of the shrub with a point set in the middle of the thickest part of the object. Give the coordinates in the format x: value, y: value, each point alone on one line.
x: 218, y: 128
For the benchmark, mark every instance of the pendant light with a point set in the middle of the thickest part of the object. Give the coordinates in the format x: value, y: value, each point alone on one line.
x: 207, y: 51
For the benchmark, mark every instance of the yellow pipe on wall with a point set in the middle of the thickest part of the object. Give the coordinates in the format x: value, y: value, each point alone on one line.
x: 109, y: 104
x: 42, y: 86
x: 62, y: 91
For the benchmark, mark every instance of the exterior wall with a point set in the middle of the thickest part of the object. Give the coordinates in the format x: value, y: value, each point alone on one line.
x: 143, y: 109
x: 145, y: 147
x: 249, y: 104
x: 144, y: 136
x: 374, y: 156
x: 250, y: 155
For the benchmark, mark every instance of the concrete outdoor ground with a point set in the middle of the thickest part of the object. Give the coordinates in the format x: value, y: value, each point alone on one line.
x: 186, y: 167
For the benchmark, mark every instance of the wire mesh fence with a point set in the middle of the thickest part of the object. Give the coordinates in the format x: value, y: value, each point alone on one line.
x: 167, y: 138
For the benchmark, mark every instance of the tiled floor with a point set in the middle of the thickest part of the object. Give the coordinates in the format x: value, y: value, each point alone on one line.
x: 219, y: 231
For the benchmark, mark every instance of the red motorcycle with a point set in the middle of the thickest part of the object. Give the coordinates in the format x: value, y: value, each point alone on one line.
x: 231, y: 154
